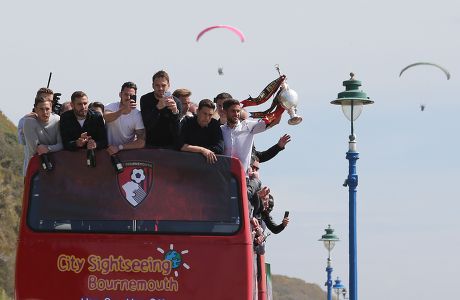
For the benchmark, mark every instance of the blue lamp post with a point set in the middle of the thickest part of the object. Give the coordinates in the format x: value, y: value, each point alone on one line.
x: 352, y: 101
x: 329, y: 240
x: 339, y: 288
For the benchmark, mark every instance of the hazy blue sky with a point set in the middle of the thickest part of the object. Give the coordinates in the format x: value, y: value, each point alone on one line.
x: 409, y: 167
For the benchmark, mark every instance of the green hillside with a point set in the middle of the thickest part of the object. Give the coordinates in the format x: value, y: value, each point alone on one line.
x: 287, y: 288
x: 11, y: 186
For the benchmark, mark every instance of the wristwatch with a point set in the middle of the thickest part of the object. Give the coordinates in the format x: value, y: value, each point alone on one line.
x: 49, y: 148
x: 120, y: 147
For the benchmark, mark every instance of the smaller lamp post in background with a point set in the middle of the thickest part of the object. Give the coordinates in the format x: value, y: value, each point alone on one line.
x: 329, y: 240
x: 339, y: 288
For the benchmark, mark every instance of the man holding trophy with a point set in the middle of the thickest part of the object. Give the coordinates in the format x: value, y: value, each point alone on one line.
x: 239, y: 135
x: 285, y: 99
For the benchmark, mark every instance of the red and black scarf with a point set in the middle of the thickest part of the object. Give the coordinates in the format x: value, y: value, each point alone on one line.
x: 276, y: 110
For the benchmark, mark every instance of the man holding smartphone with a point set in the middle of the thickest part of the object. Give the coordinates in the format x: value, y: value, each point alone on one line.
x: 161, y: 113
x: 125, y: 129
x: 268, y: 220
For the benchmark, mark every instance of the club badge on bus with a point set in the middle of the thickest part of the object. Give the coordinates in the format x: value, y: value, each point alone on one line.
x: 135, y: 181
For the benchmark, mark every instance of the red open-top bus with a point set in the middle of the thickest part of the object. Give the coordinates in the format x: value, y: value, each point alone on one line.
x: 170, y: 226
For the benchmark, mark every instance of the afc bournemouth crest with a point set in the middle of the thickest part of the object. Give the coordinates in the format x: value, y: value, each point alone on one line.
x: 135, y: 181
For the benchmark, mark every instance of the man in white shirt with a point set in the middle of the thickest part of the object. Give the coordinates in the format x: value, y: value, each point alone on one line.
x: 125, y: 129
x: 239, y: 135
x: 220, y: 113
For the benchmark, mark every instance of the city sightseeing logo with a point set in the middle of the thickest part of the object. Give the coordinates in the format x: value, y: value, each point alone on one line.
x: 99, y: 267
x: 175, y: 257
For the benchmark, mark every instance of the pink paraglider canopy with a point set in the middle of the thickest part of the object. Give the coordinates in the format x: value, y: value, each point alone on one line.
x: 235, y: 30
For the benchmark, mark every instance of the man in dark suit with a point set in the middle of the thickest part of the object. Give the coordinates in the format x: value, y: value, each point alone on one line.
x: 82, y: 128
x: 201, y: 133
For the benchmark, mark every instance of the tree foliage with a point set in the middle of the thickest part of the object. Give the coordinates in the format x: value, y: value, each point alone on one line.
x: 11, y: 188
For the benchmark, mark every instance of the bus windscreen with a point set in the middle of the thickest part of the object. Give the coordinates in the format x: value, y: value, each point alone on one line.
x: 157, y: 192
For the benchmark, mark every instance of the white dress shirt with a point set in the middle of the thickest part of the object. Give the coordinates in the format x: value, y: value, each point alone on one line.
x: 123, y: 129
x: 239, y: 140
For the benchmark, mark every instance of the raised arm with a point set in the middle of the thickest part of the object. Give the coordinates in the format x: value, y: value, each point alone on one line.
x: 273, y: 150
x: 267, y: 154
x: 110, y: 116
x: 272, y: 226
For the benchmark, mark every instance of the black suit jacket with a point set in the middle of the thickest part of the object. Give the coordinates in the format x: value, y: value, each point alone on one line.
x: 161, y: 126
x: 71, y: 129
x: 267, y: 154
x: 209, y: 137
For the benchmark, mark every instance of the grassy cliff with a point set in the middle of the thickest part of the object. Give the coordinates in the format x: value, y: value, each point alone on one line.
x: 11, y: 186
x: 287, y: 288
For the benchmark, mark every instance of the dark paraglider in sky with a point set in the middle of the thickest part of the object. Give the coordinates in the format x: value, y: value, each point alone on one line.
x: 446, y: 72
x: 426, y: 64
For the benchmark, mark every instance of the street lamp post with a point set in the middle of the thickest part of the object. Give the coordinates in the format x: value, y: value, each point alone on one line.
x: 352, y: 101
x: 339, y: 288
x: 329, y: 240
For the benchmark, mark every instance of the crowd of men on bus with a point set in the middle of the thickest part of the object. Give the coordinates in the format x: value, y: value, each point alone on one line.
x: 164, y: 120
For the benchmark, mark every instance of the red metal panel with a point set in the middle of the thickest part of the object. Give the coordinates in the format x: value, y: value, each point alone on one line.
x: 63, y: 265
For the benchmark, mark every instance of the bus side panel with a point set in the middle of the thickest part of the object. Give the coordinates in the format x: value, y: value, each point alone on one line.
x: 262, y: 283
x: 60, y: 266
x: 31, y: 169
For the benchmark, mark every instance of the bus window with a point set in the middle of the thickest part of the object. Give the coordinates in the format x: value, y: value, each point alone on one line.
x: 148, y: 197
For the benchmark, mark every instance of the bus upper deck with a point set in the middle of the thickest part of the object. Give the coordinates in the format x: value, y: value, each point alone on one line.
x: 169, y: 226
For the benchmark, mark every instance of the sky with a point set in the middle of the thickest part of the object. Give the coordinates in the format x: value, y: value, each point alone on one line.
x: 407, y: 203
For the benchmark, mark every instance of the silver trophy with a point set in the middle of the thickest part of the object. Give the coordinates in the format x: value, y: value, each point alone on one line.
x: 288, y: 99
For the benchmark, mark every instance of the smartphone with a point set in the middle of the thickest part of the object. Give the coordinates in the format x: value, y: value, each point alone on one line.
x: 133, y: 97
x: 265, y: 237
x: 286, y: 214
